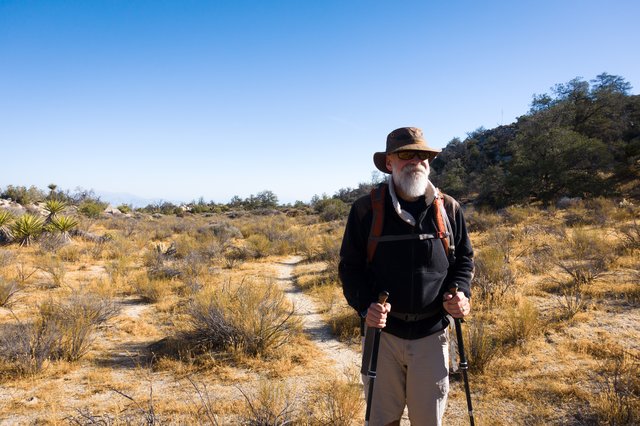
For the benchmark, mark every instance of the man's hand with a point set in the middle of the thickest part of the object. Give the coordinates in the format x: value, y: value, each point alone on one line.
x: 377, y: 315
x: 458, y: 306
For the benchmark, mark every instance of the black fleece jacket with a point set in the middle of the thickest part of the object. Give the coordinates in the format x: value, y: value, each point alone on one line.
x: 416, y: 273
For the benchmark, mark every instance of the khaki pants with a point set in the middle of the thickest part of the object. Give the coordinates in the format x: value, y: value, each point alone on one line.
x: 414, y: 373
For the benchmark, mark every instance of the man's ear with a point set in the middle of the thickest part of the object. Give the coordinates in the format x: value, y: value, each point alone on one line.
x: 389, y: 164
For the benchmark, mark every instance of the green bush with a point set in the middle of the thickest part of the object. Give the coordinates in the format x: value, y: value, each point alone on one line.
x: 331, y: 209
x: 23, y: 195
x: 92, y: 208
x: 125, y: 208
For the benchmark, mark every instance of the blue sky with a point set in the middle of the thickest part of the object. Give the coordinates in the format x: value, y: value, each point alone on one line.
x: 176, y: 100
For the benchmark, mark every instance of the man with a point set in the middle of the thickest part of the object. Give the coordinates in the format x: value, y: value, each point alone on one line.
x: 413, y: 267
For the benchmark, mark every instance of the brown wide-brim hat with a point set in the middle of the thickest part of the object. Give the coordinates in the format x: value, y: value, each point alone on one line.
x: 403, y: 139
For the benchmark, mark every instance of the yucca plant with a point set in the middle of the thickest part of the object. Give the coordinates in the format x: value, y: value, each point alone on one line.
x: 27, y: 228
x: 63, y: 225
x: 5, y: 230
x: 54, y: 207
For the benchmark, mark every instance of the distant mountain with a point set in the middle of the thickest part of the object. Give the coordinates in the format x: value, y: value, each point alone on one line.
x: 119, y: 198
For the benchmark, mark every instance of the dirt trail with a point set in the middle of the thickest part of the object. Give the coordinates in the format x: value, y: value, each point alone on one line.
x: 347, y: 360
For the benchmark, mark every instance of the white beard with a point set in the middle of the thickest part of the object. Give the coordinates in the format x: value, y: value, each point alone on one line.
x: 412, y: 180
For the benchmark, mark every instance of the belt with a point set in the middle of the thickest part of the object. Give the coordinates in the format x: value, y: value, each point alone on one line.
x: 414, y: 317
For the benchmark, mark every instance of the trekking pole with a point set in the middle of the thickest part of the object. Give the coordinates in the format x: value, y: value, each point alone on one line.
x: 371, y: 373
x: 464, y: 366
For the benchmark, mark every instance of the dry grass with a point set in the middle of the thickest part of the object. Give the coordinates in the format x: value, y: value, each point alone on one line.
x: 553, y: 338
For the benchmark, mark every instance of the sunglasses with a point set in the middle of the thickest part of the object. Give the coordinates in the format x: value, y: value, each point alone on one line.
x: 410, y: 155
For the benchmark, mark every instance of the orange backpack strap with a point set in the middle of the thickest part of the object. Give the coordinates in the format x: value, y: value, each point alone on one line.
x: 377, y: 206
x: 445, y: 233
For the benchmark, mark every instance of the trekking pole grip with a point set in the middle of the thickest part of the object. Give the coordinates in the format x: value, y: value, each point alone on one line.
x: 382, y: 297
x: 454, y: 292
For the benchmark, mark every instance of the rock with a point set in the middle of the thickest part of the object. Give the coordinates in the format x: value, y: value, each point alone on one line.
x: 113, y: 211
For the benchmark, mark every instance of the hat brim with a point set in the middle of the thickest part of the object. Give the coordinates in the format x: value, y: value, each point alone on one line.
x: 380, y: 158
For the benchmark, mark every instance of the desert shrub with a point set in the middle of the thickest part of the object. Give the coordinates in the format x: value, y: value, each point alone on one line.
x: 539, y: 259
x: 617, y: 401
x: 502, y: 240
x: 70, y: 253
x: 277, y: 229
x: 345, y: 325
x: 483, y: 346
x: 8, y: 291
x: 494, y: 277
x: 260, y: 244
x: 181, y: 246
x: 583, y: 258
x: 284, y: 246
x: 223, y: 231
x: 125, y: 208
x: 118, y: 269
x: 158, y: 263
x: 596, y: 211
x: 588, y: 244
x: 127, y: 226
x: 251, y: 317
x: 62, y: 331
x: 26, y: 229
x: 51, y: 243
x: 26, y: 347
x: 329, y: 252
x: 272, y: 404
x: 522, y: 321
x: 518, y: 214
x: 600, y: 209
x: 6, y: 258
x: 236, y: 255
x: 479, y: 220
x: 572, y: 299
x: 92, y: 208
x: 160, y: 230
x: 193, y: 265
x: 577, y: 215
x: 151, y: 289
x: 337, y: 402
x: 75, y: 320
x: 629, y: 236
x: 55, y: 268
x: 23, y: 273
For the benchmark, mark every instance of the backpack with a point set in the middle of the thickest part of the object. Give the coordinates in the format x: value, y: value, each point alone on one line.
x: 443, y: 224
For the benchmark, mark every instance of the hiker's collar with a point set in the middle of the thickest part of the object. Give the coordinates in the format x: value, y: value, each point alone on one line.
x: 430, y: 194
